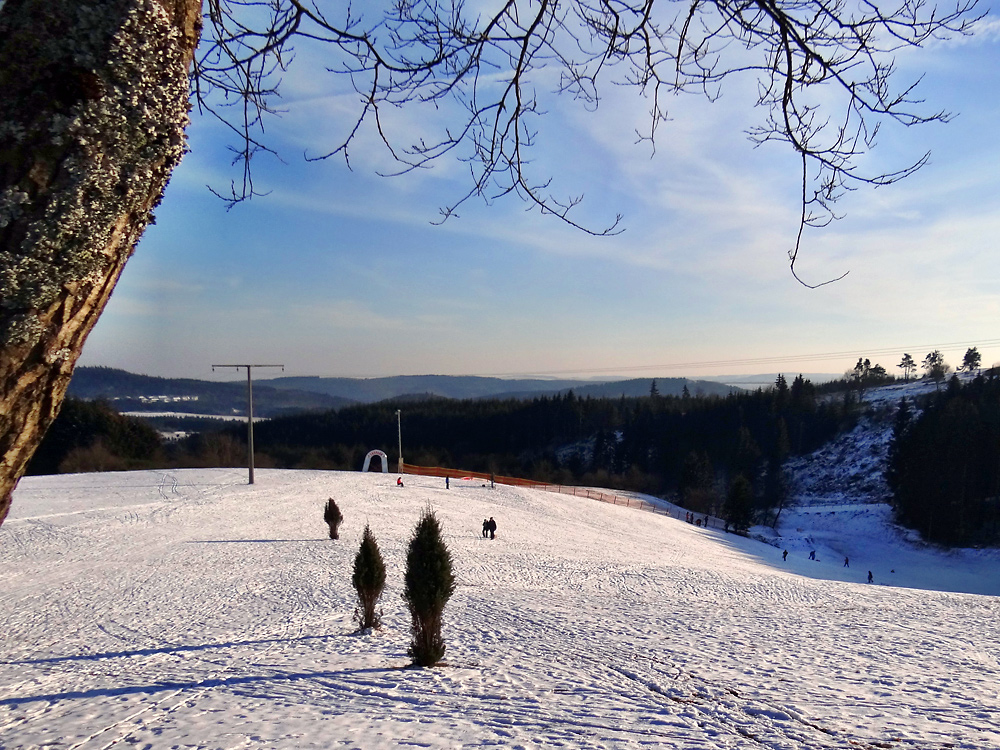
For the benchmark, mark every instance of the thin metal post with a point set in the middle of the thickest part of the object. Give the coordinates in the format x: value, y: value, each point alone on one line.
x: 249, y: 411
x: 399, y: 428
x: 250, y: 424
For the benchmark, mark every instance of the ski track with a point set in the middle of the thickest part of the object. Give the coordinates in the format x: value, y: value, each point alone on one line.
x: 186, y: 609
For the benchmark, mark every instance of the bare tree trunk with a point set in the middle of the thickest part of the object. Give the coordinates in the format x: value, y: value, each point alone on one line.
x: 93, y: 107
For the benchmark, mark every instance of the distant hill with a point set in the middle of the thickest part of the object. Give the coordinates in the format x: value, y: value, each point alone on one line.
x: 664, y: 386
x: 129, y: 392
x: 369, y: 390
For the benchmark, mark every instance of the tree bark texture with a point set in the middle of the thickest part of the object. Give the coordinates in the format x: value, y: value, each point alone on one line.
x: 93, y: 108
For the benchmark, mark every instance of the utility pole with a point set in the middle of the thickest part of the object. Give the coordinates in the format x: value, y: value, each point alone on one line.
x: 399, y: 427
x: 249, y: 410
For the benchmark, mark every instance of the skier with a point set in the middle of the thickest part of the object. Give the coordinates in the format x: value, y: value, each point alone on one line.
x: 871, y: 579
x: 847, y: 563
x: 493, y: 528
x: 812, y: 554
x: 784, y: 555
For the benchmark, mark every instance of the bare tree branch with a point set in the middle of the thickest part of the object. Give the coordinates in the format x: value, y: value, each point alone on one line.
x: 430, y: 52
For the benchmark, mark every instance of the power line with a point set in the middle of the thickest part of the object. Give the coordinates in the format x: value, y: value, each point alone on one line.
x: 745, y: 362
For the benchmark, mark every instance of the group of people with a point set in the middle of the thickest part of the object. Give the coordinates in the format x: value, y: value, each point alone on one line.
x: 692, y: 518
x: 489, y: 525
x: 847, y: 563
x: 489, y: 528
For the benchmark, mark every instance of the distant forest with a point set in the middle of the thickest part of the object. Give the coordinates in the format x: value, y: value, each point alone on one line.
x: 564, y: 438
x: 944, y: 464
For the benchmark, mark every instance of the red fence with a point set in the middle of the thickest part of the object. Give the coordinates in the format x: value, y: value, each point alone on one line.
x: 600, y: 495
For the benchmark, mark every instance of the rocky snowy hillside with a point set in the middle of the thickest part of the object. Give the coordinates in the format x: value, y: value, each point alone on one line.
x: 851, y: 468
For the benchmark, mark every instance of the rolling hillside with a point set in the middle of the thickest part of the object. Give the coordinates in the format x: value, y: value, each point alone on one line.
x: 188, y: 610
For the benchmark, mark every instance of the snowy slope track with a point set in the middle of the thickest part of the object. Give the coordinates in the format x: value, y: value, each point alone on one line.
x: 186, y: 609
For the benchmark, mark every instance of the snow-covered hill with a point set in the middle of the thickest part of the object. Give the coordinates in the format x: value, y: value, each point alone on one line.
x: 189, y: 610
x: 850, y: 468
x: 839, y: 506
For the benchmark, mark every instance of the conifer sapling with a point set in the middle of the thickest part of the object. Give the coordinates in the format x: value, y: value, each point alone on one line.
x: 368, y: 580
x: 333, y: 518
x: 429, y: 583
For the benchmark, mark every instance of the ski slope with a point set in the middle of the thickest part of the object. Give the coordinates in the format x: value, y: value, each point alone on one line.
x: 186, y: 609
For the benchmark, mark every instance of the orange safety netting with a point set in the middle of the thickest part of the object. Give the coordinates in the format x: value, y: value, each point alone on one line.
x: 604, y: 497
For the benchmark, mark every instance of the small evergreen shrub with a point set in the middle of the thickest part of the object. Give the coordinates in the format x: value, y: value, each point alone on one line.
x: 333, y: 518
x: 368, y: 580
x: 429, y: 583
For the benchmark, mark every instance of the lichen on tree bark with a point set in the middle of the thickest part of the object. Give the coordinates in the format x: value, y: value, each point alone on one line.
x: 93, y: 108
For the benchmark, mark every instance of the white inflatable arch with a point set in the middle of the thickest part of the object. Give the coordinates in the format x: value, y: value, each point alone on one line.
x: 380, y: 454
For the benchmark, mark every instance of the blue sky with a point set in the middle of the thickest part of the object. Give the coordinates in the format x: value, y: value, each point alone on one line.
x: 342, y: 273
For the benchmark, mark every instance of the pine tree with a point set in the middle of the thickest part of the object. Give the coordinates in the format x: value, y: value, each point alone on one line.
x: 333, y: 518
x: 775, y: 484
x: 803, y: 393
x: 747, y: 453
x: 781, y: 394
x: 697, y: 485
x: 368, y: 580
x: 907, y: 365
x: 738, y: 509
x: 896, y: 459
x: 936, y: 367
x: 860, y: 375
x: 429, y: 583
x: 972, y: 360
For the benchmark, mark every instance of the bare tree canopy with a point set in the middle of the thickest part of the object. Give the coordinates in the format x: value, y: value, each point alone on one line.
x: 824, y: 72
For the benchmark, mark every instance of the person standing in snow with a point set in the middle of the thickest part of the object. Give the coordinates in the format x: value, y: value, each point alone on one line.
x: 486, y: 528
x: 871, y: 579
x: 493, y: 528
x: 847, y: 563
x: 784, y: 555
x: 446, y: 483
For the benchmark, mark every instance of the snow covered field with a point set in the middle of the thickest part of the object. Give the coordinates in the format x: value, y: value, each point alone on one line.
x: 186, y: 609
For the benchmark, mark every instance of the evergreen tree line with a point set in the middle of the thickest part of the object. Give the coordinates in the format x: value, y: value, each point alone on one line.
x: 944, y: 463
x: 92, y: 436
